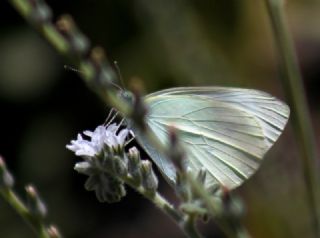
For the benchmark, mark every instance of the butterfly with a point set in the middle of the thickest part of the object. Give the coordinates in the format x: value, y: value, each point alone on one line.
x: 226, y: 131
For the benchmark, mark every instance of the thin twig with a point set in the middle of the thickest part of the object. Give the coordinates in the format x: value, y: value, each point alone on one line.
x: 190, y: 226
x: 182, y: 220
x: 34, y: 213
x: 214, y: 209
x: 37, y: 226
x: 292, y: 82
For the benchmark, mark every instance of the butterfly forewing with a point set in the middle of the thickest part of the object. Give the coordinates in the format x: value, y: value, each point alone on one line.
x: 271, y: 113
x: 224, y: 130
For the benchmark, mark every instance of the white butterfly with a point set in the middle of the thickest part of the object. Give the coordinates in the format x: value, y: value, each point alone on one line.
x: 227, y: 131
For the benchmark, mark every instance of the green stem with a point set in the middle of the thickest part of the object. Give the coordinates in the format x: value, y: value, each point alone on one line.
x: 37, y: 226
x: 190, y: 227
x: 214, y: 209
x: 182, y: 220
x: 47, y: 29
x: 293, y: 86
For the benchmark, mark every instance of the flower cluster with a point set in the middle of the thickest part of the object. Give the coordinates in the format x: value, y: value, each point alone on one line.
x: 108, y: 165
x: 100, y: 138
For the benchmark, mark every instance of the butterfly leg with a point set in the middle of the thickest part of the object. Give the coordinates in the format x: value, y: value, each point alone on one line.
x: 111, y: 116
x: 131, y: 139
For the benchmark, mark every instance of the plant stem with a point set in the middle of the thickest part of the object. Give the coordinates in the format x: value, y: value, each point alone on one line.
x: 292, y: 82
x: 37, y: 226
x: 214, y: 209
x: 190, y: 227
x: 182, y: 220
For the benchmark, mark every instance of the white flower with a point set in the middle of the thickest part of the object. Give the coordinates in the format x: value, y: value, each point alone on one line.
x: 97, y: 139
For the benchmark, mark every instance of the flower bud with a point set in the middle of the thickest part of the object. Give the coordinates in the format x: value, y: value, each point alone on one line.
x: 84, y: 168
x: 98, y: 55
x: 176, y: 152
x: 6, y: 179
x: 149, y: 179
x: 40, y: 12
x: 134, y: 155
x: 53, y: 232
x: 201, y: 177
x: 79, y: 42
x: 92, y: 182
x: 134, y: 165
x: 182, y: 187
x: 119, y: 166
x: 107, y: 188
x: 35, y: 204
x: 215, y: 190
x: 193, y: 208
x: 233, y: 208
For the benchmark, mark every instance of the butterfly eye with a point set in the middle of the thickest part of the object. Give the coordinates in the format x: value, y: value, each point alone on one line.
x: 128, y: 96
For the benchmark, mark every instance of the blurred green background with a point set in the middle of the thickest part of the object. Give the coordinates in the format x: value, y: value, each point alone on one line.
x: 164, y: 43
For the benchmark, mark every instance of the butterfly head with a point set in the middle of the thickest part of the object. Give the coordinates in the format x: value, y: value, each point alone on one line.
x: 127, y: 96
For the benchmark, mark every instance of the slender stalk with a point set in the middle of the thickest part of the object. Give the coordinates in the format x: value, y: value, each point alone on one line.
x: 48, y: 30
x: 185, y: 222
x: 37, y: 226
x: 190, y: 226
x: 293, y: 86
x: 215, y: 209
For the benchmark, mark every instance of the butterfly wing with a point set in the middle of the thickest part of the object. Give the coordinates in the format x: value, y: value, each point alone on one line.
x: 271, y: 113
x: 225, y: 130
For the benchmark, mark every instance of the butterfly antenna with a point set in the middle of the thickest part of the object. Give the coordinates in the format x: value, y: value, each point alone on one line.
x: 117, y: 86
x: 70, y: 68
x: 116, y: 65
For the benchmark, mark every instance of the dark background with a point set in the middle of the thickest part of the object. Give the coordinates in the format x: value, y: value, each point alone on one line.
x: 164, y: 43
